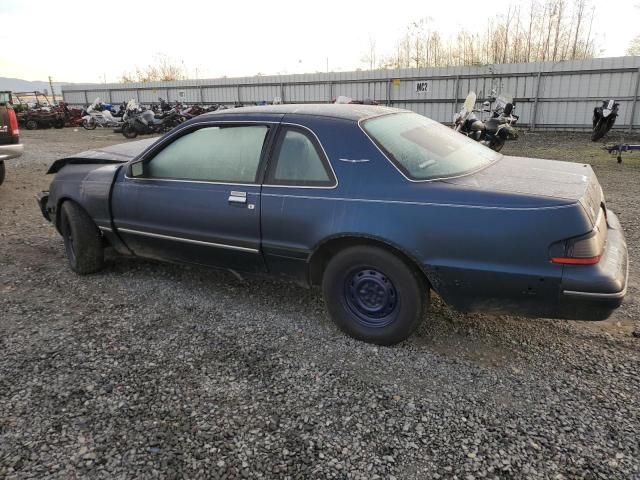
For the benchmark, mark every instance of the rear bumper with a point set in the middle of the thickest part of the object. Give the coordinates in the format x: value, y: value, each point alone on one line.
x: 577, y: 292
x: 8, y: 152
x: 593, y: 292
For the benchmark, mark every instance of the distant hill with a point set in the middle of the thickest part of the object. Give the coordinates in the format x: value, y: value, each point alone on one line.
x: 19, y: 85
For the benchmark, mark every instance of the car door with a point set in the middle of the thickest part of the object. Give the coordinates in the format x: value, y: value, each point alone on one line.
x: 293, y: 206
x: 196, y: 198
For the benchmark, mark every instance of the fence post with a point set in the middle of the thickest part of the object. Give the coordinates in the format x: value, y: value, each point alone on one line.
x: 635, y: 101
x: 389, y: 80
x: 238, y: 94
x: 86, y: 98
x: 200, y: 94
x: 455, y: 96
x: 330, y: 92
x: 532, y: 125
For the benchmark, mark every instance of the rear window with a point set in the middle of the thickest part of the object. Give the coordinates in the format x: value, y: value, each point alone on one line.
x: 423, y: 149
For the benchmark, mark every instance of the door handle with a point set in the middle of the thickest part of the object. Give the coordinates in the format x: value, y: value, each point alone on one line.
x: 238, y: 197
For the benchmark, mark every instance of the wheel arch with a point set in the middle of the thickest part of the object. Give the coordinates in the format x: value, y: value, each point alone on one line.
x: 327, y: 248
x: 68, y: 198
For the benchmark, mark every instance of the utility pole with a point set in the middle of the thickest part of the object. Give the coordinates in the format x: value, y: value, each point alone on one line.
x: 53, y: 94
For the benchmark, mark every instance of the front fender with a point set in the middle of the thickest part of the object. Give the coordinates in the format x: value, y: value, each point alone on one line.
x: 87, y: 185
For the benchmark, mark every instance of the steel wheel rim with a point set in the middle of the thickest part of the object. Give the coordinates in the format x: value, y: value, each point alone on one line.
x: 68, y: 239
x: 371, y: 297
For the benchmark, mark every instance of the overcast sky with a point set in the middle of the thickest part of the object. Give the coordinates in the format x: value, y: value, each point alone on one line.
x: 86, y: 41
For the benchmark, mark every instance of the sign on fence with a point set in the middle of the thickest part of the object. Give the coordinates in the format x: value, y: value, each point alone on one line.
x: 422, y: 87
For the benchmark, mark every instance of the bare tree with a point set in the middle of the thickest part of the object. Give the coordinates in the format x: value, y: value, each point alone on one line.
x: 370, y: 58
x: 162, y: 69
x: 580, y: 6
x: 542, y: 30
x: 634, y: 46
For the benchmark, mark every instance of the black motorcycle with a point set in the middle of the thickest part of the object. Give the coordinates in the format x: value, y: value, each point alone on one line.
x: 121, y: 110
x: 143, y: 122
x: 603, y: 119
x: 494, y: 131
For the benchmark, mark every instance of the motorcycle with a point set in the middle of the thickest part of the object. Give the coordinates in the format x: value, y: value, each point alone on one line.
x: 603, y: 119
x: 122, y: 108
x: 141, y: 122
x: 192, y: 111
x: 97, y: 116
x: 494, y: 131
x: 72, y: 116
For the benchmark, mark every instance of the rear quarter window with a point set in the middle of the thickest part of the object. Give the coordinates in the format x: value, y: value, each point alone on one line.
x: 424, y: 149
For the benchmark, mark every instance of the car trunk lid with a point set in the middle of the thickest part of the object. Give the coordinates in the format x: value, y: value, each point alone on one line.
x: 540, y: 178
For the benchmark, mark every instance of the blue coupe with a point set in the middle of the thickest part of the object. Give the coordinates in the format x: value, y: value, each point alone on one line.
x: 378, y: 206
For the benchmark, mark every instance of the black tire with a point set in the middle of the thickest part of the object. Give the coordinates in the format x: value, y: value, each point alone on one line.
x: 373, y: 295
x: 129, y: 131
x: 599, y: 130
x: 497, y: 144
x: 31, y: 125
x: 2, y: 172
x: 89, y: 124
x: 59, y: 123
x: 82, y: 239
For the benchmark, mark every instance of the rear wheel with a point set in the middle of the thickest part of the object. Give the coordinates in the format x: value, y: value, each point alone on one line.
x: 599, y: 130
x: 497, y: 143
x: 59, y: 123
x: 129, y: 131
x: 31, y: 125
x: 373, y: 295
x: 82, y: 239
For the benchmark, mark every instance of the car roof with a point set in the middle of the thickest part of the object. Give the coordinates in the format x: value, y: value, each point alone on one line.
x: 353, y: 112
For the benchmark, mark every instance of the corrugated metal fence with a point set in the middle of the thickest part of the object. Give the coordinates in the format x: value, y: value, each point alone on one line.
x: 548, y: 94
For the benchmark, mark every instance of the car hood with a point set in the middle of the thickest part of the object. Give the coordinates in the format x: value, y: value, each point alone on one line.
x: 120, y: 153
x: 539, y: 178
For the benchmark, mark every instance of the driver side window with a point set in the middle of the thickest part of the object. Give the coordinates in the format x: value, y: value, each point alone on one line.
x: 216, y: 154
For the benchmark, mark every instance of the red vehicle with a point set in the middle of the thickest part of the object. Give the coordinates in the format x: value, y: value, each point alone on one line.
x: 35, y: 111
x: 10, y: 146
x: 72, y: 116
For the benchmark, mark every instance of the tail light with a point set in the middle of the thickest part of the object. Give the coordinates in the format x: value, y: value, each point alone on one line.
x: 14, y: 131
x: 583, y: 250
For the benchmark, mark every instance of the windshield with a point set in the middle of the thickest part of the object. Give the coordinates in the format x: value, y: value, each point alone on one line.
x: 424, y: 149
x: 502, y: 101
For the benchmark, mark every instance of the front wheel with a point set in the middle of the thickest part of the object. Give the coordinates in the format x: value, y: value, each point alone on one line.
x: 58, y: 123
x: 31, y: 125
x: 89, y: 124
x: 373, y: 295
x: 2, y: 172
x: 599, y: 130
x: 82, y: 239
x: 129, y: 131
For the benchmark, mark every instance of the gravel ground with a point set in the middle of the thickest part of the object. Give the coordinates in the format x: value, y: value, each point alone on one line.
x: 149, y: 370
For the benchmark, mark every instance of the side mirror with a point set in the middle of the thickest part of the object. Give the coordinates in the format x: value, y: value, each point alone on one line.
x: 136, y: 169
